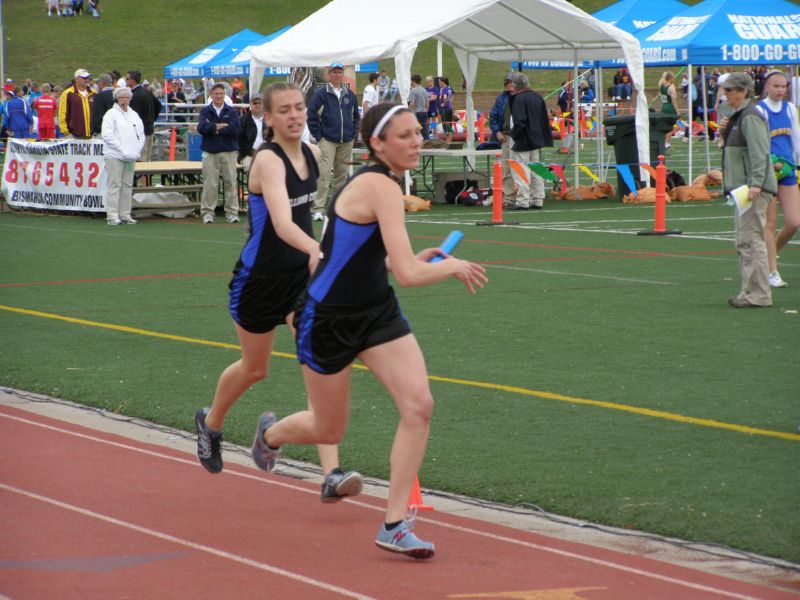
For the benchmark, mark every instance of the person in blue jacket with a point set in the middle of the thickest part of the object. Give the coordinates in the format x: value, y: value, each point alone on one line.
x: 219, y: 125
x: 333, y: 120
x: 587, y: 93
x: 19, y: 116
x: 500, y: 132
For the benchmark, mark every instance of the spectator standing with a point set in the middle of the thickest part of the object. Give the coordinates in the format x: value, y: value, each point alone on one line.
x: 418, y: 103
x: 371, y: 96
x: 102, y: 102
x: 564, y: 99
x: 446, y: 105
x: 220, y: 126
x: 433, y: 99
x: 501, y: 132
x: 46, y: 107
x: 587, y: 93
x: 123, y: 138
x: 176, y: 96
x: 19, y: 117
x: 383, y: 86
x: 746, y: 162
x: 75, y: 107
x: 784, y: 131
x: 252, y: 136
x: 333, y: 119
x: 530, y: 131
x: 34, y: 92
x: 669, y: 98
x: 142, y: 103
x: 394, y: 88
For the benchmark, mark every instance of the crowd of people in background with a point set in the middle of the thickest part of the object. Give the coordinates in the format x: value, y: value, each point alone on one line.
x: 72, y: 8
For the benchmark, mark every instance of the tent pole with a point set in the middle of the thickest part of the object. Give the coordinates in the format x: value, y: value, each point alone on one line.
x: 690, y: 119
x: 705, y: 117
x: 576, y: 107
x: 598, y: 99
x: 439, y: 66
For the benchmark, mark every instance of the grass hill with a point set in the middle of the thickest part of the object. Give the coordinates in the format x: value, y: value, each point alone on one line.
x: 149, y: 34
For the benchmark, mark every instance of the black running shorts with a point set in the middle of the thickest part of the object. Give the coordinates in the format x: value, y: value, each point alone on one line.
x: 262, y: 302
x: 329, y: 339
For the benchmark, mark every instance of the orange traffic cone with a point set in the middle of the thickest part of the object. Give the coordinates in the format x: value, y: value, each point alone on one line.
x: 415, y: 499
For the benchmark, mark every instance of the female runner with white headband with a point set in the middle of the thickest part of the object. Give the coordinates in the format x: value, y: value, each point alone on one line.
x: 350, y: 311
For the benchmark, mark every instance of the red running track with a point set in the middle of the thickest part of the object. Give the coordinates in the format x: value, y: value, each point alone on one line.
x: 88, y: 514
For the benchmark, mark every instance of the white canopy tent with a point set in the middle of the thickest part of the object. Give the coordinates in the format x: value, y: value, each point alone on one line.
x: 499, y: 30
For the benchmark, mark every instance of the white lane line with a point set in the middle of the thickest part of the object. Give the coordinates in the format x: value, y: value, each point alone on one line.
x: 186, y: 543
x: 193, y: 463
x: 598, y: 561
x: 611, y: 277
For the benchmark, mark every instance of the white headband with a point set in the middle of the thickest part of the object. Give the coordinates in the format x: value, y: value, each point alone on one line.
x: 385, y: 119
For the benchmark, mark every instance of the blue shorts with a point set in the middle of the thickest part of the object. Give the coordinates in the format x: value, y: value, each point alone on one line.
x: 329, y: 339
x: 789, y: 179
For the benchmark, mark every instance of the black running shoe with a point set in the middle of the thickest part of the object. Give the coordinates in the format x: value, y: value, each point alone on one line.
x: 338, y: 485
x: 208, y: 443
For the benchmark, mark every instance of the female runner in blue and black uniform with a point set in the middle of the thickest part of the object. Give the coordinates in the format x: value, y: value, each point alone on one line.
x: 272, y: 271
x: 350, y: 311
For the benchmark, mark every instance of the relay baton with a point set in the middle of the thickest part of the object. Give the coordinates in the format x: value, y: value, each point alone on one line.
x: 448, y: 245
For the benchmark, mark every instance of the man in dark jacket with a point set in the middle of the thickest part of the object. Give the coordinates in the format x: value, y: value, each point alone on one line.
x: 142, y: 103
x: 252, y: 135
x: 501, y: 133
x: 333, y: 120
x: 220, y: 127
x: 103, y: 102
x: 530, y: 131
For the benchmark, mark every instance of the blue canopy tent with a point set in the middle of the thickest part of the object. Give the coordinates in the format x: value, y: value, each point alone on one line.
x: 234, y: 59
x: 724, y: 32
x: 230, y: 57
x: 635, y: 15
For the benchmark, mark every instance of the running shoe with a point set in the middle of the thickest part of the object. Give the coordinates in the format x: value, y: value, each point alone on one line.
x: 264, y: 456
x: 232, y: 218
x: 402, y: 539
x: 114, y: 222
x: 208, y: 219
x: 338, y: 485
x: 208, y: 443
x: 317, y: 216
x: 129, y: 221
x: 775, y: 280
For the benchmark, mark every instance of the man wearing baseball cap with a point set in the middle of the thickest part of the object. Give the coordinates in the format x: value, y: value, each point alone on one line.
x: 333, y: 120
x: 75, y: 107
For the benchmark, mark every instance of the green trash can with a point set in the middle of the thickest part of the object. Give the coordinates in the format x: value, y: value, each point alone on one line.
x: 621, y: 133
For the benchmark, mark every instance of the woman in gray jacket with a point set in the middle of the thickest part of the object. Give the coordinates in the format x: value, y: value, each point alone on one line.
x: 123, y: 140
x: 746, y: 164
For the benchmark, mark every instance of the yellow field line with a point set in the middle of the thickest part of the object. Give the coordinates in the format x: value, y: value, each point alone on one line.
x: 647, y: 412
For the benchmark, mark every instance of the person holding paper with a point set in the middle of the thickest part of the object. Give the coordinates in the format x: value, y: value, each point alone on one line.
x: 746, y: 162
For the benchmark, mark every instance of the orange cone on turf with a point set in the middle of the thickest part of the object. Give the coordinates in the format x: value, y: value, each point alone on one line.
x: 415, y: 499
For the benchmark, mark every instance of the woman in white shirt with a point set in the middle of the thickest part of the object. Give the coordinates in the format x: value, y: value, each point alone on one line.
x: 123, y: 140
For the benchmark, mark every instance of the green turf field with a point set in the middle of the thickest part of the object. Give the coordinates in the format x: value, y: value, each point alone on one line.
x: 600, y: 374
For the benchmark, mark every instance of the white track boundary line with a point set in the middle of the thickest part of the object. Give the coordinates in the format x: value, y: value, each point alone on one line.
x: 590, y: 275
x: 496, y: 537
x: 186, y: 543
